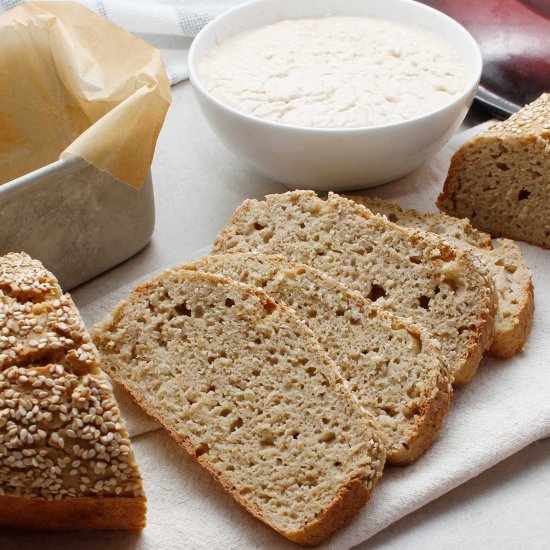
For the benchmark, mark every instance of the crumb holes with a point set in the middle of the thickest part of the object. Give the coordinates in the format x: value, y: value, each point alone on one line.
x: 235, y: 425
x: 424, y: 302
x: 415, y: 259
x: 245, y: 491
x: 393, y: 218
x: 225, y: 412
x: 311, y: 371
x: 211, y: 388
x: 376, y: 292
x: 437, y: 290
x: 338, y: 464
x: 199, y: 312
x: 325, y: 420
x: 229, y: 302
x: 302, y: 225
x: 327, y: 437
x: 230, y: 468
x: 340, y: 312
x: 211, y: 360
x: 312, y: 313
x: 182, y: 309
x: 267, y: 441
x: 389, y: 411
x: 295, y: 434
x: 523, y: 194
x: 258, y: 226
x: 270, y: 307
x: 372, y: 314
x: 255, y: 372
x: 355, y: 321
x: 502, y: 166
x: 202, y: 449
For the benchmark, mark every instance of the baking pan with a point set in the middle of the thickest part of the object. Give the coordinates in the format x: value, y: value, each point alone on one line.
x: 76, y: 219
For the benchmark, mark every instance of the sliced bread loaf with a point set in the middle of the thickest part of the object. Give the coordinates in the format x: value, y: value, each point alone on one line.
x: 66, y: 461
x: 408, y: 272
x: 500, y: 179
x: 505, y: 263
x: 241, y: 384
x: 394, y: 368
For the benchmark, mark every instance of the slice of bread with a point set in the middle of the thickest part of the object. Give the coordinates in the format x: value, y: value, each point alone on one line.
x: 408, y: 272
x: 241, y: 384
x: 66, y: 461
x: 505, y: 263
x: 500, y: 179
x: 394, y: 368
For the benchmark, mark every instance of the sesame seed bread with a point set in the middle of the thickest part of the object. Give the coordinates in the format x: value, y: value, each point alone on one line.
x: 241, y: 384
x: 66, y: 461
x: 408, y: 272
x: 394, y: 368
x: 500, y: 179
x: 505, y: 263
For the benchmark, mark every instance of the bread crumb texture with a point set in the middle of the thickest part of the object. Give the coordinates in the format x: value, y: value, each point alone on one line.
x: 393, y: 367
x: 407, y: 272
x: 500, y: 179
x: 504, y: 262
x: 242, y: 385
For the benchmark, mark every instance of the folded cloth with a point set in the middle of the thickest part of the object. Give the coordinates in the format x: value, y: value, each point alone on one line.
x: 503, y: 409
x: 166, y: 24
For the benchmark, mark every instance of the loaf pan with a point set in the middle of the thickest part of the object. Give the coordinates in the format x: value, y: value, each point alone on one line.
x: 76, y: 219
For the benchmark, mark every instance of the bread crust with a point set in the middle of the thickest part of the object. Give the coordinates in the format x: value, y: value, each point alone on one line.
x: 506, y: 340
x: 479, y: 340
x: 126, y: 513
x: 513, y: 340
x: 528, y: 127
x: 430, y: 417
x: 353, y: 495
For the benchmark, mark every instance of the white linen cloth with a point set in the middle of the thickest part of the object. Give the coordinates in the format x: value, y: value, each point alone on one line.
x: 169, y: 25
x: 503, y: 409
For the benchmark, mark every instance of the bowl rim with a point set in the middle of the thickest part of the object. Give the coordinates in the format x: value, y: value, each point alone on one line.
x: 471, y: 85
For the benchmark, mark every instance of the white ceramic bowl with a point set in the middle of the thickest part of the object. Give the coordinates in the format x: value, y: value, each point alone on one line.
x: 334, y: 158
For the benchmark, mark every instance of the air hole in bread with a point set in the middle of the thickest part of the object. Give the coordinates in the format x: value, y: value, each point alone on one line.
x: 327, y: 437
x: 424, y: 302
x: 415, y: 259
x: 258, y: 226
x: 235, y: 425
x: 523, y: 194
x: 229, y: 302
x: 203, y: 448
x: 393, y: 218
x: 502, y: 166
x: 376, y: 292
x: 182, y: 309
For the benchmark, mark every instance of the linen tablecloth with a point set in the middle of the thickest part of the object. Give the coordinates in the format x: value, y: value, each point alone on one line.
x: 503, y: 409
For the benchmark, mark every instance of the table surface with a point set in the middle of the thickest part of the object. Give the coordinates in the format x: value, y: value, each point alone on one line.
x: 198, y: 185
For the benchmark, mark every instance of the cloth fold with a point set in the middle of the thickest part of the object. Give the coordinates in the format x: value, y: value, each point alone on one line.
x: 503, y: 409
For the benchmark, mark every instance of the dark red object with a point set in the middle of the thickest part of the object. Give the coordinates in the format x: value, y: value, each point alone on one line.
x: 514, y: 37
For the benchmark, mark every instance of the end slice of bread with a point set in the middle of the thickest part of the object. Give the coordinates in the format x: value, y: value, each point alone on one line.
x: 505, y: 263
x: 241, y: 384
x: 393, y: 367
x: 500, y: 179
x: 410, y: 273
x: 66, y: 461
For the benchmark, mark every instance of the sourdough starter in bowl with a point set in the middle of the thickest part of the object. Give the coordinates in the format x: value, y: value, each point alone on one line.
x: 334, y: 72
